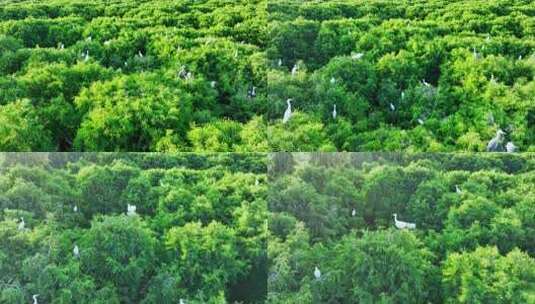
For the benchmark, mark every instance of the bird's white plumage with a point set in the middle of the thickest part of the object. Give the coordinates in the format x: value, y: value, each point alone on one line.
x: 317, y: 273
x: 334, y: 112
x: 510, y: 147
x: 131, y: 210
x: 34, y: 297
x: 403, y: 225
x: 288, y: 112
x: 21, y: 224
x: 76, y: 251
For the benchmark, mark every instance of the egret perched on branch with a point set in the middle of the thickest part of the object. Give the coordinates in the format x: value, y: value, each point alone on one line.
x: 403, y: 225
x: 496, y: 143
x: 86, y: 55
x: 317, y: 273
x: 256, y: 182
x: 75, y: 208
x: 421, y: 121
x: 181, y: 301
x: 89, y: 38
x: 251, y: 93
x: 288, y: 112
x: 279, y: 63
x: 334, y: 112
x: 61, y: 46
x: 21, y: 224
x: 140, y: 54
x: 510, y: 147
x: 34, y: 297
x: 392, y: 107
x: 294, y: 69
x: 356, y: 56
x: 402, y: 95
x: 425, y: 83
x: 457, y: 189
x: 213, y: 84
x: 76, y: 251
x: 130, y: 210
x: 354, y: 212
x: 333, y: 80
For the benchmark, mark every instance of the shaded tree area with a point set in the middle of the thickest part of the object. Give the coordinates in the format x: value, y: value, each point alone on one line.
x: 419, y: 76
x: 333, y: 237
x: 69, y: 235
x: 132, y: 75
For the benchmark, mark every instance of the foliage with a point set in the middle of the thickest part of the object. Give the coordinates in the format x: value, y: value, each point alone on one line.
x: 472, y: 243
x: 198, y: 232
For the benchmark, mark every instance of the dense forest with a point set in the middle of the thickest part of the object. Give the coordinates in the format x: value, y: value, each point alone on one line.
x: 132, y: 75
x: 258, y: 75
x: 401, y: 228
x: 378, y: 75
x: 133, y: 228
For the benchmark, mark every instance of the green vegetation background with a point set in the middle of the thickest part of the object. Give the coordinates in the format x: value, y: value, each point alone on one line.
x: 113, y: 75
x: 334, y: 211
x: 199, y: 233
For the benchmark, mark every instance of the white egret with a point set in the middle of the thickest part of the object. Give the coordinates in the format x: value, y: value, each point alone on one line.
x: 334, y: 112
x: 89, y: 38
x: 402, y: 95
x: 251, y: 93
x: 519, y: 57
x: 496, y: 143
x: 21, y: 224
x: 333, y: 80
x: 425, y: 83
x: 76, y: 251
x: 510, y: 147
x: 294, y: 69
x: 256, y: 182
x: 354, y: 212
x: 421, y: 121
x: 317, y: 273
x: 181, y: 301
x: 401, y: 224
x: 356, y: 56
x: 288, y: 112
x: 107, y: 42
x: 457, y: 189
x: 279, y: 63
x: 213, y: 84
x: 34, y: 297
x: 75, y: 208
x: 392, y: 107
x: 131, y: 210
x: 86, y: 55
x: 140, y: 54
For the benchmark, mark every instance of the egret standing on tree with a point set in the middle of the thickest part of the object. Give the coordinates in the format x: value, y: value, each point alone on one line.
x: 131, y: 210
x: 34, y: 297
x: 334, y: 112
x: 21, y: 224
x: 294, y: 70
x: 510, y: 147
x: 403, y: 225
x: 317, y: 273
x: 288, y: 112
x: 76, y: 252
x: 496, y: 143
